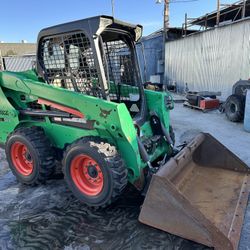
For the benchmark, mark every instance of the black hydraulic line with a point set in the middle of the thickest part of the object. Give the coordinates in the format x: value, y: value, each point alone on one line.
x: 142, y: 150
x: 144, y: 154
x: 42, y: 113
x: 167, y: 135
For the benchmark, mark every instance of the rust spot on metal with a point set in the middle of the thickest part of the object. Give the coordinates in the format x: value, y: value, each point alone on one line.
x: 198, y: 195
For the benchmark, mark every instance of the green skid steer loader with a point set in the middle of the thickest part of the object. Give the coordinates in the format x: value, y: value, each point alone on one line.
x: 85, y: 105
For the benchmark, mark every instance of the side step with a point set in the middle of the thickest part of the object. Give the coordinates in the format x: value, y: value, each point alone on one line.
x: 201, y: 194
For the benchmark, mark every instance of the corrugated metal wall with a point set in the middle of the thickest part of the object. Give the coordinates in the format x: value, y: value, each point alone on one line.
x: 212, y: 60
x: 19, y: 63
x: 149, y: 52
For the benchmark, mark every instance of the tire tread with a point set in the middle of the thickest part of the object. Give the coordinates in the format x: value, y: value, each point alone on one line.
x: 114, y: 160
x: 42, y: 146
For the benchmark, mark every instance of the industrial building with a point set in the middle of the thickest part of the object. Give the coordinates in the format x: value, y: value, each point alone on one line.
x: 208, y: 53
x: 151, y: 54
x: 215, y: 57
x: 17, y: 49
x: 17, y: 56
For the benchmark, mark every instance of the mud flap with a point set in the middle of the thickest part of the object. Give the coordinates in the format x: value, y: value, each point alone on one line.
x: 201, y: 194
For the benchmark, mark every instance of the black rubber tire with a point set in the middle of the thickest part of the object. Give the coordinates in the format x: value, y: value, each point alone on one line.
x: 172, y: 134
x: 110, y: 163
x: 40, y: 150
x: 234, y: 108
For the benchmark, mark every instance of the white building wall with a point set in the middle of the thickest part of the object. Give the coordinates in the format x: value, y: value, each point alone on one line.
x: 212, y: 60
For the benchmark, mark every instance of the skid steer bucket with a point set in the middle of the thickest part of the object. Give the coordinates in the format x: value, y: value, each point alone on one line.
x: 201, y: 194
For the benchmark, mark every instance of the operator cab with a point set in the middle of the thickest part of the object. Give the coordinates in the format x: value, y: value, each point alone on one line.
x: 96, y: 57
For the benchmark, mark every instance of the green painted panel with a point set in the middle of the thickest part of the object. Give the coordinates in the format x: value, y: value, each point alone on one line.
x: 111, y: 121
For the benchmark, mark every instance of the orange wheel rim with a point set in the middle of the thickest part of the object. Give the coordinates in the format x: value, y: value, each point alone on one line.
x: 21, y: 158
x: 87, y: 175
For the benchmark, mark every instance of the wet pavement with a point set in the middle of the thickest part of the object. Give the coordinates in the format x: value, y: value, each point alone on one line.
x: 49, y: 217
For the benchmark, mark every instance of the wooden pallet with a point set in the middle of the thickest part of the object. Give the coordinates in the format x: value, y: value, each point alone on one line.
x: 188, y: 105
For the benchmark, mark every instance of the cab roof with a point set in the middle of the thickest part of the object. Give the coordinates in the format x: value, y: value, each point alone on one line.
x: 92, y: 26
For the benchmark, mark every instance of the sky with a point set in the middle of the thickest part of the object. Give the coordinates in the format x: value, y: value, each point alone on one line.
x: 23, y: 19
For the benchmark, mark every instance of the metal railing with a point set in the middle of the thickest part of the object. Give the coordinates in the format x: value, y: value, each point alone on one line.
x: 238, y: 7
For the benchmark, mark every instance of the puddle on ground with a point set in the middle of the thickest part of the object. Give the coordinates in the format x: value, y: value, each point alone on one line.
x: 49, y: 217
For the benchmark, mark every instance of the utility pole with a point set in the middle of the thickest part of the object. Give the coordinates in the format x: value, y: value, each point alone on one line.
x: 166, y: 18
x: 113, y: 7
x: 185, y: 28
x: 165, y: 23
x: 165, y: 32
x: 165, y: 29
x: 218, y: 13
x: 243, y: 9
x: 165, y: 26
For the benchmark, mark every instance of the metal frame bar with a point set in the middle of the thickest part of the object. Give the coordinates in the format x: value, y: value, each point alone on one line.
x: 239, y: 5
